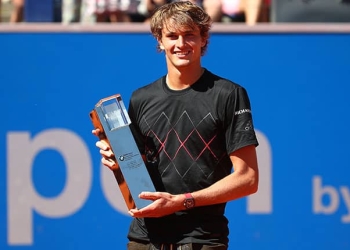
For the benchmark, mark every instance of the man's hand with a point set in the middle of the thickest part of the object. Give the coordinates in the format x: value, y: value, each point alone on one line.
x: 163, y: 204
x: 107, y: 155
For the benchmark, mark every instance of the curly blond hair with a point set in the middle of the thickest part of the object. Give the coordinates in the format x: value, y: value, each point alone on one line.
x: 181, y: 14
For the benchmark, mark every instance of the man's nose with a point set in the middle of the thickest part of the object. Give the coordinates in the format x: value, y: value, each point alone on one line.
x: 180, y: 41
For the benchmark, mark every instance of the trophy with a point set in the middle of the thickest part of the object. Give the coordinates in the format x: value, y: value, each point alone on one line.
x: 111, y: 118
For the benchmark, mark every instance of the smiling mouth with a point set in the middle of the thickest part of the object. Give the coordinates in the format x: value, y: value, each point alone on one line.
x: 182, y: 53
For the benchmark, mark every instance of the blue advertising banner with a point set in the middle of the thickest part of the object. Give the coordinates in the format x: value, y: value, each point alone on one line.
x: 54, y: 193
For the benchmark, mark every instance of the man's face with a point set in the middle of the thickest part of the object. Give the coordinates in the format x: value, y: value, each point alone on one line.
x: 182, y: 46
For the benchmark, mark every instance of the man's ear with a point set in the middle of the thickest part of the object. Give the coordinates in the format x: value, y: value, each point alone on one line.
x: 160, y: 45
x: 204, y: 41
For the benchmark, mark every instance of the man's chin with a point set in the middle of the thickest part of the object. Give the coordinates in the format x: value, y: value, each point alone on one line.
x: 182, y: 63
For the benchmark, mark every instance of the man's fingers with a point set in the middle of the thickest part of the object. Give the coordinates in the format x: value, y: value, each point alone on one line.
x: 107, y: 154
x: 102, y: 145
x: 108, y: 162
x: 105, y: 151
x: 149, y: 195
x: 96, y: 131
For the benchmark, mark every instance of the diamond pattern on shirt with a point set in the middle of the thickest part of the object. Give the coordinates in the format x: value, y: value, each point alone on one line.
x: 189, y: 142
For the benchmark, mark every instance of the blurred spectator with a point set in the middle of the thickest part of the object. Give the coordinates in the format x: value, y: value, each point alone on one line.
x: 6, y: 10
x: 152, y: 5
x: 91, y: 11
x: 213, y: 8
x: 17, y: 11
x: 83, y: 11
x: 232, y: 11
x: 247, y: 11
x: 88, y: 11
x: 265, y: 11
x: 137, y: 11
x: 71, y: 10
x: 112, y: 11
x: 251, y: 9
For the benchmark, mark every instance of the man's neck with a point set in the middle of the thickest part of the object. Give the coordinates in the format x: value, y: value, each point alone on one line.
x: 178, y: 79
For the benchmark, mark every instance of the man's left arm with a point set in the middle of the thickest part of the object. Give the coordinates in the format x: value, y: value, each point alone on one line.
x: 242, y: 182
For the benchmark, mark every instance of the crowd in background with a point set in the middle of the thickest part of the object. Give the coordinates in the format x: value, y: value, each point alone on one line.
x: 250, y: 12
x: 97, y: 11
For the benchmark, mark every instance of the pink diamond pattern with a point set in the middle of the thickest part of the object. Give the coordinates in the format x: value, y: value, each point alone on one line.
x: 182, y: 135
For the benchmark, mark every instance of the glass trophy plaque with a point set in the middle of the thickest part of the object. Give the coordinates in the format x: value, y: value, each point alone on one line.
x: 111, y: 118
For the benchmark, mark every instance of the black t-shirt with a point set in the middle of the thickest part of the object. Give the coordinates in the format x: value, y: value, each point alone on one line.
x: 187, y: 137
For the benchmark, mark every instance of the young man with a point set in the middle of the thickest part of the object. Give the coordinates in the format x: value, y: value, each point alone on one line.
x: 192, y: 126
